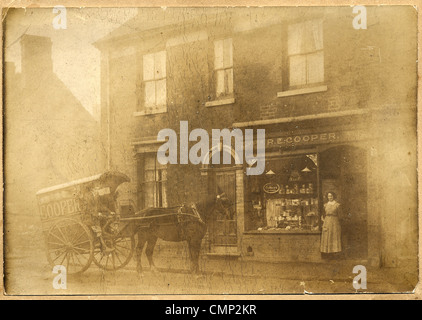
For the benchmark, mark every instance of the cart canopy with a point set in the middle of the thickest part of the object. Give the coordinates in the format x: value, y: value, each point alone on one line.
x: 111, y: 179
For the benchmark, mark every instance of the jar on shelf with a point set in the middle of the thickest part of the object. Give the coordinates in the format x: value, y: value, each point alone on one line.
x: 282, y: 190
x: 310, y: 188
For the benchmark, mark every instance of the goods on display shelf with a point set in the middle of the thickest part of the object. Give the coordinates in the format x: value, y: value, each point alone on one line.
x: 292, y: 214
x: 286, y: 197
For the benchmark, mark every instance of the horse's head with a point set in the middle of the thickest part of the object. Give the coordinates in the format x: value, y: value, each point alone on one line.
x: 217, y: 204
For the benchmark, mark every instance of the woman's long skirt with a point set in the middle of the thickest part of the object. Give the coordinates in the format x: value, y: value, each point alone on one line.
x: 331, y: 235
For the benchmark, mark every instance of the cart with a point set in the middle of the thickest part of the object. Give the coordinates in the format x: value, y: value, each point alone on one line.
x: 81, y: 224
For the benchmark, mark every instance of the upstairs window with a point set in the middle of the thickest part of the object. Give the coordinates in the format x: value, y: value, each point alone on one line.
x: 305, y: 53
x: 155, y: 85
x: 223, y: 67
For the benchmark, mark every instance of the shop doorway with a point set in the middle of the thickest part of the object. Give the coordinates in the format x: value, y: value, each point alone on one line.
x: 223, y: 226
x: 344, y: 171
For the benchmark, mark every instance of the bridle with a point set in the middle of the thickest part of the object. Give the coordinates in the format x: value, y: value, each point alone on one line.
x: 218, y: 206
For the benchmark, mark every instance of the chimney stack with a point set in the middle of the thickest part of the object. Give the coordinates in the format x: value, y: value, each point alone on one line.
x: 36, y: 58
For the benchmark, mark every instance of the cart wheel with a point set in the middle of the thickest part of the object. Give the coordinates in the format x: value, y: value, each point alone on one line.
x: 117, y: 255
x: 70, y: 243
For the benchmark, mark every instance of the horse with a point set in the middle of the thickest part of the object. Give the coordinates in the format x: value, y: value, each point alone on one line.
x: 177, y: 224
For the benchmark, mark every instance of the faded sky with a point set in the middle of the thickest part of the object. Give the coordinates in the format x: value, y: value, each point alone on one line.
x: 75, y: 60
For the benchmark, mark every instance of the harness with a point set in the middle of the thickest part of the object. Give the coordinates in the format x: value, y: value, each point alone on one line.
x: 181, y: 214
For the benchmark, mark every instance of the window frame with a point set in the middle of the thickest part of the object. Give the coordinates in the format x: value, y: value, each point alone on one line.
x: 305, y: 54
x: 159, y: 182
x: 154, y: 108
x: 249, y: 194
x: 224, y: 68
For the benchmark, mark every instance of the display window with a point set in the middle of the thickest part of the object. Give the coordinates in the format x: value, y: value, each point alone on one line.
x: 286, y: 197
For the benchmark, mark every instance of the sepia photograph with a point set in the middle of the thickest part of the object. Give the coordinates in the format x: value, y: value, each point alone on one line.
x: 210, y: 150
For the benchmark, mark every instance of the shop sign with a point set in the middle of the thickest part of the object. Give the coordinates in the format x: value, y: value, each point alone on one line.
x: 301, y: 139
x: 315, y: 138
x: 271, y: 187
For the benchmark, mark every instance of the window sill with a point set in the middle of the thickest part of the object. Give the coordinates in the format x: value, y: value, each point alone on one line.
x: 143, y: 113
x: 220, y: 102
x: 281, y: 231
x: 301, y: 91
x: 214, y: 255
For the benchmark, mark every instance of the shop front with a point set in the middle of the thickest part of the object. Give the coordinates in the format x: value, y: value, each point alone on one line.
x: 278, y: 216
x: 284, y: 207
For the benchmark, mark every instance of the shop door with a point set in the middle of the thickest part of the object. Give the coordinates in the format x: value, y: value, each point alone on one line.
x: 344, y: 171
x: 224, y: 226
x: 355, y: 234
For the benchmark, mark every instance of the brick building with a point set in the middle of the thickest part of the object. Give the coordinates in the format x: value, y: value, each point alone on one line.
x: 338, y: 106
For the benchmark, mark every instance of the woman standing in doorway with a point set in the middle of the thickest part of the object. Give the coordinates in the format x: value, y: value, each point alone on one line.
x: 331, y: 229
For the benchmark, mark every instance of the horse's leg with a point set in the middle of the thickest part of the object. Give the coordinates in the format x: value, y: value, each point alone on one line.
x: 139, y: 248
x: 194, y: 249
x: 149, y: 251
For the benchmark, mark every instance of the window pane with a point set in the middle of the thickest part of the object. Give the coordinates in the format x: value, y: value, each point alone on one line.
x: 305, y: 37
x: 316, y: 67
x: 149, y: 176
x: 164, y: 187
x: 150, y: 93
x: 297, y: 70
x: 229, y: 80
x: 149, y: 194
x: 161, y: 92
x: 148, y: 66
x: 160, y: 65
x: 218, y: 54
x: 164, y: 194
x: 220, y: 82
x: 164, y: 174
x: 314, y: 31
x: 150, y: 163
x: 228, y: 53
x: 295, y: 38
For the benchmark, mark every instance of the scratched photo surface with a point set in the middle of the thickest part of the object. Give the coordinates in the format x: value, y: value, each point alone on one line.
x: 210, y: 150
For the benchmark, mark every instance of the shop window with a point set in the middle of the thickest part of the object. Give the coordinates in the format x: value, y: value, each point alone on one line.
x: 154, y: 183
x: 155, y: 84
x: 286, y: 197
x: 305, y: 53
x: 223, y: 67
